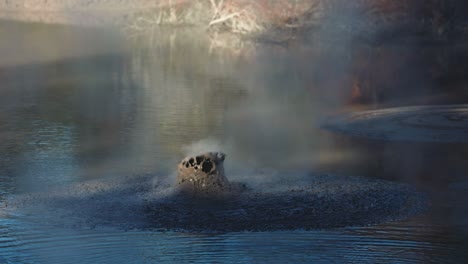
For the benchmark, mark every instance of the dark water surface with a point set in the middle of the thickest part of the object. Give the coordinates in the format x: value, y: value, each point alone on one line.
x: 80, y: 105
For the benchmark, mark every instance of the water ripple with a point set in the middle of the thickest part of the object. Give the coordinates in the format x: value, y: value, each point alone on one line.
x: 352, y: 245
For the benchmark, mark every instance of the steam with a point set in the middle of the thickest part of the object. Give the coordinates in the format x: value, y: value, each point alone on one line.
x: 204, y: 145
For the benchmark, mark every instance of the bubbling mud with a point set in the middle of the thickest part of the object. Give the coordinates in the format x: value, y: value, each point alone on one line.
x: 432, y: 123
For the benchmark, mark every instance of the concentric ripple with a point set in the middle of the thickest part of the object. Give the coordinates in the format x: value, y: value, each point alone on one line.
x: 432, y: 123
x: 326, y: 201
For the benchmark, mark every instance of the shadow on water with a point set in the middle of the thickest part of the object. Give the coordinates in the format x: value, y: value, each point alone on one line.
x: 70, y: 120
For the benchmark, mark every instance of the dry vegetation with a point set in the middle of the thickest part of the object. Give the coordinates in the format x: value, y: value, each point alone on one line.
x: 252, y: 16
x: 247, y: 17
x: 237, y: 16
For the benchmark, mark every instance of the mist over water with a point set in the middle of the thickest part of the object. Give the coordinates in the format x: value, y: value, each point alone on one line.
x: 99, y: 132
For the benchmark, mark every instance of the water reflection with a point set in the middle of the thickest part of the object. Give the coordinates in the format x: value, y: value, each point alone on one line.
x: 44, y: 114
x: 183, y: 96
x: 99, y: 115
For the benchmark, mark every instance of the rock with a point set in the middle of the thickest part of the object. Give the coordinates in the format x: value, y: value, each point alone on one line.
x: 203, y: 173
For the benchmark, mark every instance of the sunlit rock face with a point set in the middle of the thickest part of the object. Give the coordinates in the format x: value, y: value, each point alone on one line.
x: 203, y: 173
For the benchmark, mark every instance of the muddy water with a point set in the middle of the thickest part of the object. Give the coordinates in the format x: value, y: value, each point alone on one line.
x: 107, y: 108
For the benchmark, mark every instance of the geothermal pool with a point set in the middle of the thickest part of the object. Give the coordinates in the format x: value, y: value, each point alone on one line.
x: 92, y: 126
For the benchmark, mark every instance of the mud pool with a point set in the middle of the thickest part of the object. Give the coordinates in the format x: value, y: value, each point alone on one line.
x: 91, y: 132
